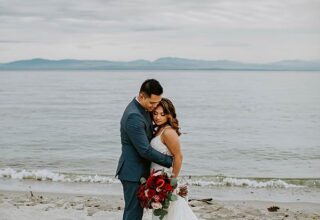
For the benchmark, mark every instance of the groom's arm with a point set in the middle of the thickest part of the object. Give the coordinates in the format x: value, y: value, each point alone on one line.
x: 137, y: 134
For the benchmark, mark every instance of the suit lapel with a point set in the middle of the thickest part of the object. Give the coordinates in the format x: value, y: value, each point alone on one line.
x: 149, y: 127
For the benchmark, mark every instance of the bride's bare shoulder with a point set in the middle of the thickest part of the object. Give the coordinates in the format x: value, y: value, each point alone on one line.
x: 169, y: 132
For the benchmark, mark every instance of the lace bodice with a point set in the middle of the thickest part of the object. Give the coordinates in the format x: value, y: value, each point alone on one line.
x: 157, y: 144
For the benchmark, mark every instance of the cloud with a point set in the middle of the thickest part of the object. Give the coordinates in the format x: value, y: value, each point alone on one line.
x: 231, y: 44
x: 105, y: 27
x: 127, y: 14
x: 12, y: 42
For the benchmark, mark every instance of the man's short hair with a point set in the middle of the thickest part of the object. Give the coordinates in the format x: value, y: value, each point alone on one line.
x: 151, y: 87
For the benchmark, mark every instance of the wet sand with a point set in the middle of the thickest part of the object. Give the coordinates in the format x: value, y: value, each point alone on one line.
x: 25, y: 205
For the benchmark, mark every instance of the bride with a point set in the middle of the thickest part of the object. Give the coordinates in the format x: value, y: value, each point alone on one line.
x: 166, y: 140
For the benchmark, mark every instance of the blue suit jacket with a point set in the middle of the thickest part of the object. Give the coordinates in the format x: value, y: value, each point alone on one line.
x: 136, y: 133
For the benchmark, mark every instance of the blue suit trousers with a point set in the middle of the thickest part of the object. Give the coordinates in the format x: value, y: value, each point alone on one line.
x: 132, y: 209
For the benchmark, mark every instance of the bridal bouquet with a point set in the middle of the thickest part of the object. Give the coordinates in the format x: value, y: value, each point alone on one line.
x: 157, y: 192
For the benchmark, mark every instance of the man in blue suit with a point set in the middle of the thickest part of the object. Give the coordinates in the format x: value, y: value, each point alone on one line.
x: 136, y: 133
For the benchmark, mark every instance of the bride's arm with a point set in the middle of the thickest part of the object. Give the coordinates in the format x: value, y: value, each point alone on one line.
x: 171, y: 139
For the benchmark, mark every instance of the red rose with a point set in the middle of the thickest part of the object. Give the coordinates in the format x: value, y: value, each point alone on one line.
x: 168, y: 188
x: 163, y: 195
x: 160, y: 183
x: 151, y: 193
x: 150, y: 182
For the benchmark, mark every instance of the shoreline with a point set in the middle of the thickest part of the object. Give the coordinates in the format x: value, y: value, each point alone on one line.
x: 52, y: 205
x: 219, y: 193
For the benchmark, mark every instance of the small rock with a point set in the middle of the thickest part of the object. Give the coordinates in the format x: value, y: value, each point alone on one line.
x: 30, y: 204
x: 90, y: 203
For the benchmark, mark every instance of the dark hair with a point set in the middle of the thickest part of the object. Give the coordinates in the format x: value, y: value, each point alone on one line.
x: 169, y: 109
x: 151, y: 86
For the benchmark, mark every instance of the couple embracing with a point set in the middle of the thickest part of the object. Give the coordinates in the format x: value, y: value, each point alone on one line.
x: 150, y: 140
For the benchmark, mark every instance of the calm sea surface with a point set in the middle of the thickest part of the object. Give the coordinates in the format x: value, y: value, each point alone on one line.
x: 234, y: 124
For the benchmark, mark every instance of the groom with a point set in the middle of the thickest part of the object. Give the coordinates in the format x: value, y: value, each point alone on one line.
x: 136, y: 132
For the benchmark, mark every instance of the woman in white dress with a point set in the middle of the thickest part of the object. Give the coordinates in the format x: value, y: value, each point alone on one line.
x: 166, y: 140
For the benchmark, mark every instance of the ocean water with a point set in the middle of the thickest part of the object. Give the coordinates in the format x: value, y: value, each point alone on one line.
x: 240, y: 128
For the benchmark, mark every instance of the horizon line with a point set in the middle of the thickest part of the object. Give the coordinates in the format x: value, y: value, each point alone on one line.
x: 167, y: 57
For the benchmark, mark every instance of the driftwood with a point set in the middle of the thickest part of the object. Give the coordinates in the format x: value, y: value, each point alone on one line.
x: 206, y: 200
x: 273, y: 208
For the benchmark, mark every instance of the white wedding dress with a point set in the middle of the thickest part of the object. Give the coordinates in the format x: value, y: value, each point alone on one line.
x: 179, y: 209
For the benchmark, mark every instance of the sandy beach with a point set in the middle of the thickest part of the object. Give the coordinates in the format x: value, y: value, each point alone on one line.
x: 62, y: 206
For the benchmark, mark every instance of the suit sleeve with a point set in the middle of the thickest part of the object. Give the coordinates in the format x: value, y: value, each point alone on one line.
x: 136, y: 131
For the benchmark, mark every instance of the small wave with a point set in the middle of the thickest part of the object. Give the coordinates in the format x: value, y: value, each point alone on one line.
x: 202, y: 181
x: 239, y: 182
x: 46, y: 175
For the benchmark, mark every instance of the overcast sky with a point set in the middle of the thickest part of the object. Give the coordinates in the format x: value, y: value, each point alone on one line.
x: 242, y: 30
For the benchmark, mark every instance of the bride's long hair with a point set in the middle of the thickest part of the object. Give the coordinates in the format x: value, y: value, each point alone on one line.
x: 170, y: 111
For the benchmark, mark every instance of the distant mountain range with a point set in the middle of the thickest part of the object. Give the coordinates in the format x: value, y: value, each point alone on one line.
x: 166, y: 63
